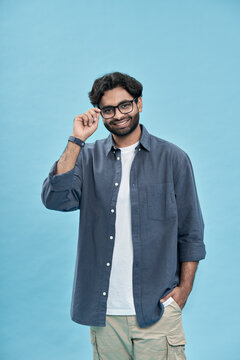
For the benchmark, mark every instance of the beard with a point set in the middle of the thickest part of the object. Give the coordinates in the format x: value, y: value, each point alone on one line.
x: 128, y: 129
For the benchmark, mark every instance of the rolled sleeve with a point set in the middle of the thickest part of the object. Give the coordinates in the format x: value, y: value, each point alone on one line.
x: 62, y: 192
x: 190, y: 220
x: 61, y: 181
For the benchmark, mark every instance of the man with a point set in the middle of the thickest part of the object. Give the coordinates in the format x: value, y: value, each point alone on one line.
x: 141, y: 227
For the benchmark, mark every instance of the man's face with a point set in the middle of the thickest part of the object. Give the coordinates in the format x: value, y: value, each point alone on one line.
x: 113, y: 98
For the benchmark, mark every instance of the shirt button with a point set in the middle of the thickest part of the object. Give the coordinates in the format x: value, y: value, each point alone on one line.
x: 111, y: 237
x: 112, y: 210
x: 104, y: 293
x: 108, y: 264
x: 118, y: 158
x: 116, y: 184
x: 139, y: 149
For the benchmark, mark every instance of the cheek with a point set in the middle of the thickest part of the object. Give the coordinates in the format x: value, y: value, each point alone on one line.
x: 135, y: 116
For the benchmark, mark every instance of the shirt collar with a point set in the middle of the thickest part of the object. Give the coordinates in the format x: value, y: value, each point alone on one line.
x: 144, y: 140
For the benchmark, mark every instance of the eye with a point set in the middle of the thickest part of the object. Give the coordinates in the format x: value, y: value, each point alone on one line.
x: 107, y: 111
x: 125, y: 105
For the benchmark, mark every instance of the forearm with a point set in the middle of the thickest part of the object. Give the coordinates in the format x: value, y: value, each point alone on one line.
x: 188, y: 270
x: 68, y: 159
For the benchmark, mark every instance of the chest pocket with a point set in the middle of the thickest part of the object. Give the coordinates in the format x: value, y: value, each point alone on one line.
x: 161, y: 201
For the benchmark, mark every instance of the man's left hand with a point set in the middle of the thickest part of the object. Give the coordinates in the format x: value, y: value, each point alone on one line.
x: 179, y: 294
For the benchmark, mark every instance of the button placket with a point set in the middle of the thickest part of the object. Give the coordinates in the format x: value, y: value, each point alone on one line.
x: 116, y: 182
x: 136, y: 234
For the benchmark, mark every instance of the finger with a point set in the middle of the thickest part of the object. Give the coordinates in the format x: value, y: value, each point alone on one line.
x: 97, y: 110
x: 93, y: 118
x: 85, y: 119
x: 97, y: 114
x: 90, y: 118
x: 77, y: 118
x: 94, y: 115
x: 166, y: 297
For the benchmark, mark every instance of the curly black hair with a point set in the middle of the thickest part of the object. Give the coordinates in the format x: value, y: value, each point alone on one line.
x: 112, y: 80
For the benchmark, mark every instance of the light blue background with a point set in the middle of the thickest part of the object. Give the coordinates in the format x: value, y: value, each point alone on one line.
x: 186, y: 54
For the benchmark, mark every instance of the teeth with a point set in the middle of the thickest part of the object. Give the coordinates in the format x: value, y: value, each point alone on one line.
x: 122, y: 122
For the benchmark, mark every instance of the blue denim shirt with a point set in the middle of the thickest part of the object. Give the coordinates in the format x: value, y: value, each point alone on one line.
x: 167, y: 223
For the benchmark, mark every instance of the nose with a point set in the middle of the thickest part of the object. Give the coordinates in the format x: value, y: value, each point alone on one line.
x: 118, y: 113
x: 119, y: 116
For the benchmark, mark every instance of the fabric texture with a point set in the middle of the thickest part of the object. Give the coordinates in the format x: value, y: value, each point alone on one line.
x: 123, y: 339
x: 166, y: 222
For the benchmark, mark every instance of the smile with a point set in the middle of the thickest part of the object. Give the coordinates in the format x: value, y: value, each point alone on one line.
x: 121, y: 123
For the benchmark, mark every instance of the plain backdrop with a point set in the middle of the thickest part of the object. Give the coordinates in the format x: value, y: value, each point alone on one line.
x: 186, y: 54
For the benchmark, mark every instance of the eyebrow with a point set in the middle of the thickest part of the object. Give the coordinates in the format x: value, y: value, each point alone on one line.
x: 107, y: 106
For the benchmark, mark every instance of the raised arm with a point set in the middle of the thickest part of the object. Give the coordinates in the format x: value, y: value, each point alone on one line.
x: 62, y: 188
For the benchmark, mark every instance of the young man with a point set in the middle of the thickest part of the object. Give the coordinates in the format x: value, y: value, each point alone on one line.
x: 141, y: 227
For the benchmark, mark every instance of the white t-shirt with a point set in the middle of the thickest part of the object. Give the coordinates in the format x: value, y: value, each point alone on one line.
x: 120, y: 293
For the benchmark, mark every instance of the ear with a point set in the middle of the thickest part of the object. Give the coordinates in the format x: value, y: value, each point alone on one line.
x: 140, y: 104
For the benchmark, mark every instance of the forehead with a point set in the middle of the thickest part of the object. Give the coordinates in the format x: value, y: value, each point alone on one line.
x: 114, y: 97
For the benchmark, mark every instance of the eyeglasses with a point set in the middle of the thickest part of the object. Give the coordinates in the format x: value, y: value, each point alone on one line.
x: 125, y: 107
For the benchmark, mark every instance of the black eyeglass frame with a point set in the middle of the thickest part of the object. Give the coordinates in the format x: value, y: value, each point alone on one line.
x: 117, y: 106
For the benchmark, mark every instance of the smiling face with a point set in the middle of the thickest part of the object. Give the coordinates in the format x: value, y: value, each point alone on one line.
x: 121, y: 124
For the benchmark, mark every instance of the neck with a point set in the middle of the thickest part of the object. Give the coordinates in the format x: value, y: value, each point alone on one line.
x: 129, y: 139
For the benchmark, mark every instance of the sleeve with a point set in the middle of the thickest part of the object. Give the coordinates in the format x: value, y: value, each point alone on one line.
x: 190, y: 221
x: 62, y: 192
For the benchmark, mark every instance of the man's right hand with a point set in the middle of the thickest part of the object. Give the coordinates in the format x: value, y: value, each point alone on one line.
x: 85, y: 124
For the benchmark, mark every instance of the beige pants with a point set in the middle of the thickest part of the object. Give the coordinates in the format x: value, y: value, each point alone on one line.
x: 123, y: 339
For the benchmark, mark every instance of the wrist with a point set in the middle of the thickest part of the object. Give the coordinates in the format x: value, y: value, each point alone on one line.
x: 76, y: 140
x: 187, y: 288
x: 79, y: 137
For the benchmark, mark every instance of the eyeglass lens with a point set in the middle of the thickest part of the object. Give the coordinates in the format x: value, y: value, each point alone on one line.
x: 125, y: 108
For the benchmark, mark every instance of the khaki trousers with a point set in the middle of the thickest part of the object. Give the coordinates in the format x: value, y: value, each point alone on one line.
x: 123, y: 339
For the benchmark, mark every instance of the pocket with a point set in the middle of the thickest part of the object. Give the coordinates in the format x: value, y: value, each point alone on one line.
x: 169, y: 348
x: 161, y: 201
x: 176, y: 338
x: 176, y: 348
x: 176, y: 305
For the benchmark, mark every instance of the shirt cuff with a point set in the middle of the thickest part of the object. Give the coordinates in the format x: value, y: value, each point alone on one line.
x: 60, y: 182
x: 191, y: 251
